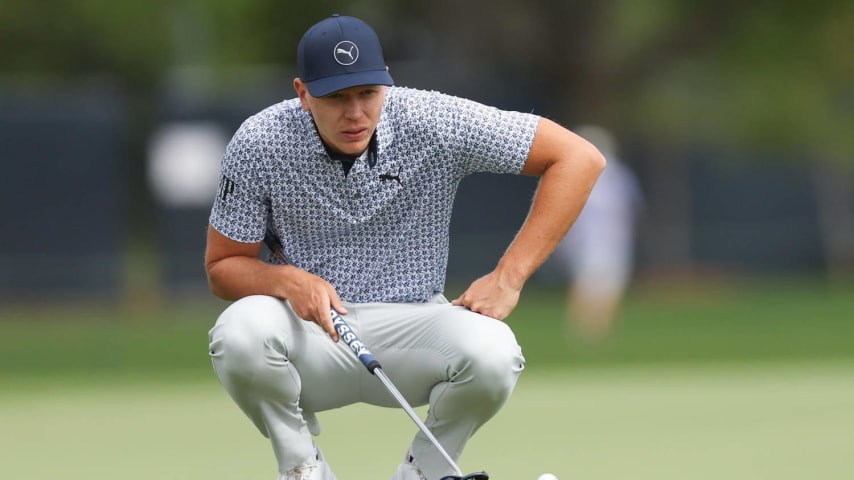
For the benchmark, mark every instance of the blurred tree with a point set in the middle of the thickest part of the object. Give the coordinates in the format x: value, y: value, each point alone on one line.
x: 135, y: 41
x: 768, y: 77
x: 53, y: 39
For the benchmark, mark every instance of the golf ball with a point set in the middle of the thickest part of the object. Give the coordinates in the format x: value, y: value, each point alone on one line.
x: 547, y: 476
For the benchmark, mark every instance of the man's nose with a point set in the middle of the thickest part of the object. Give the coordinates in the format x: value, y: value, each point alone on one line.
x: 354, y: 109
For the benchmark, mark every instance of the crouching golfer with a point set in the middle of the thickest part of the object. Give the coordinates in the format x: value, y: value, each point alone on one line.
x: 357, y: 177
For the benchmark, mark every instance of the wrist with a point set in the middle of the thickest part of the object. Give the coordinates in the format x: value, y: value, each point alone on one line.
x: 286, y: 280
x: 511, y: 275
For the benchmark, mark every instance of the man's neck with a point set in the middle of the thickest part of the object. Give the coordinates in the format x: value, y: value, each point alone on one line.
x: 347, y: 161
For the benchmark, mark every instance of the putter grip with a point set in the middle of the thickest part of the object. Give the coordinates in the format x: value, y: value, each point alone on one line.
x: 349, y: 337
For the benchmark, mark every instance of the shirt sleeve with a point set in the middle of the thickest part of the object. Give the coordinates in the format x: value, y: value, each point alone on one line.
x: 241, y: 206
x: 486, y: 138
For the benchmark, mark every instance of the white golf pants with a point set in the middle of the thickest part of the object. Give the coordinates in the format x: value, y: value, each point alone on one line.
x: 281, y: 369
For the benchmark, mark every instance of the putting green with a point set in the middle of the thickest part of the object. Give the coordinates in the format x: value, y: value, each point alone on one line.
x: 738, y: 421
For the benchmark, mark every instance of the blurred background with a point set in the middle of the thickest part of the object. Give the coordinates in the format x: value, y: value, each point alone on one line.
x: 733, y: 122
x: 737, y: 119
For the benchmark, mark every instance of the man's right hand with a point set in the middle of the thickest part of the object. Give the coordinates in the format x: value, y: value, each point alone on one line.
x: 311, y: 296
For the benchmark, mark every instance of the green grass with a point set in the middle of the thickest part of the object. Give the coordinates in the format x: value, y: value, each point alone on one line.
x: 662, y: 324
x: 704, y: 381
x: 786, y: 422
x: 699, y: 323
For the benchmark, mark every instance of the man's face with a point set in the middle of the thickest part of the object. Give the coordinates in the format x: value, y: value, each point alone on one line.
x: 345, y: 119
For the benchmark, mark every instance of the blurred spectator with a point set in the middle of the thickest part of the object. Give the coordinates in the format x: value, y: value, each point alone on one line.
x: 598, y: 252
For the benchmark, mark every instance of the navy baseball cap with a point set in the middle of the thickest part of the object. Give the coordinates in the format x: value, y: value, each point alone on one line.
x: 338, y: 53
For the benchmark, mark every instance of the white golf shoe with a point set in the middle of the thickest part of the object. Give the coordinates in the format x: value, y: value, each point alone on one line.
x: 408, y: 471
x: 318, y: 470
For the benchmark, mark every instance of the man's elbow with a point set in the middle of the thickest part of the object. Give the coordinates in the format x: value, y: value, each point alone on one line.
x: 597, y: 161
x: 215, y: 283
x: 589, y: 164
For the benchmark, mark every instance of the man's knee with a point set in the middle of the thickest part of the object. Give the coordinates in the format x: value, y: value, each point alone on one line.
x: 493, y: 360
x: 248, y: 333
x: 248, y: 348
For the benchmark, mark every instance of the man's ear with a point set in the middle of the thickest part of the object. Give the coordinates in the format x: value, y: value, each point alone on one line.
x: 302, y: 92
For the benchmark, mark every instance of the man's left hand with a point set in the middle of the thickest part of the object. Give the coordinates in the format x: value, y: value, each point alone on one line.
x: 491, y: 296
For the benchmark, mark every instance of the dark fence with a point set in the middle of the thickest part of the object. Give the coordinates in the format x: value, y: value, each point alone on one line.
x: 63, y: 196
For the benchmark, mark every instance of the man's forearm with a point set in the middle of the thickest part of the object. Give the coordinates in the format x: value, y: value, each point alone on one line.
x: 560, y: 197
x: 236, y: 277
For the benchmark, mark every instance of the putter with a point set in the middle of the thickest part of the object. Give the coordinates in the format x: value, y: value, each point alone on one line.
x: 373, y: 365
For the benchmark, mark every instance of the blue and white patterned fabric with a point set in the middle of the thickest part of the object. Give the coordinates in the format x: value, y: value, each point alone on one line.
x: 377, y: 234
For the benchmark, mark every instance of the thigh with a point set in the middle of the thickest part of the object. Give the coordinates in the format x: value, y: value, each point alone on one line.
x: 422, y: 345
x: 259, y: 334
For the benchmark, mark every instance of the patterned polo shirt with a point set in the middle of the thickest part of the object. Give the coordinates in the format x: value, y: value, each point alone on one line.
x: 381, y: 232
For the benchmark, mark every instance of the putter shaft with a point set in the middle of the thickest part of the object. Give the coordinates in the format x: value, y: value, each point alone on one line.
x: 403, y: 403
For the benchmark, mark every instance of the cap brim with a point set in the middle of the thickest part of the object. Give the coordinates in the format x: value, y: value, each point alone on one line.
x: 324, y: 86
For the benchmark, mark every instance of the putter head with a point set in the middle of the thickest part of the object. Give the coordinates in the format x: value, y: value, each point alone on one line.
x: 471, y: 476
